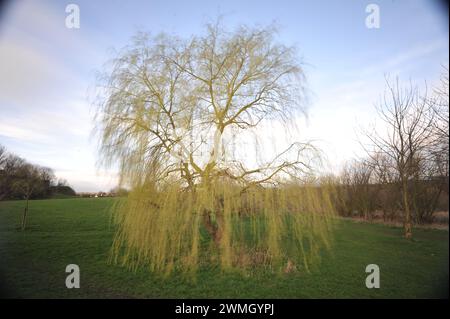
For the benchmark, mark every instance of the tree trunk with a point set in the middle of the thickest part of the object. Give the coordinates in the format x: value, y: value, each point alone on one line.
x: 214, y: 230
x: 24, y: 217
x: 407, y: 221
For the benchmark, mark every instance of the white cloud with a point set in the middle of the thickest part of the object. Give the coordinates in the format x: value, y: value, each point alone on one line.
x: 20, y: 133
x: 44, y: 115
x: 399, y: 61
x: 341, y: 113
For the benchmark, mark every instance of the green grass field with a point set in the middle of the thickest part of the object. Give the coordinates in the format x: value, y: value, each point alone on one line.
x: 78, y: 231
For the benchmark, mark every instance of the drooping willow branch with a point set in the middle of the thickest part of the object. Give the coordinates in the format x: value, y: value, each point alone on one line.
x: 167, y: 109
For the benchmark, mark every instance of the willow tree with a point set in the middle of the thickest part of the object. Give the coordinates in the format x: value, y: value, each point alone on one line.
x: 180, y: 118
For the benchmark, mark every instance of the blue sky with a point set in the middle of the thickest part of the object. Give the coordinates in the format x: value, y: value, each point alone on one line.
x: 47, y: 71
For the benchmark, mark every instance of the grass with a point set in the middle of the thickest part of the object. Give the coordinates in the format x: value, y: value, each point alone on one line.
x: 66, y: 231
x: 62, y: 196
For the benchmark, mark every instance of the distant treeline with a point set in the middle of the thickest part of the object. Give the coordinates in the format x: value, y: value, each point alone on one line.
x: 404, y: 174
x: 20, y: 179
x: 372, y: 190
x: 115, y: 192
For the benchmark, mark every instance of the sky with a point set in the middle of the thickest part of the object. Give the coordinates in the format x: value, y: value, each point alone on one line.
x: 48, y: 71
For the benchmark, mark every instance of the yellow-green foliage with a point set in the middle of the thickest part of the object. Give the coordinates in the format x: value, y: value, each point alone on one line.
x: 164, y: 228
x: 178, y: 116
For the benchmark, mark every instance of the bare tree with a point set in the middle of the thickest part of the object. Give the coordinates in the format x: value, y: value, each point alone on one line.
x: 440, y: 106
x: 3, y: 159
x: 427, y: 186
x: 432, y: 165
x: 356, y: 180
x: 386, y: 179
x: 8, y: 173
x: 28, y: 181
x: 21, y: 180
x: 408, y: 120
x: 3, y: 155
x: 48, y: 179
